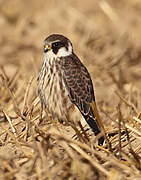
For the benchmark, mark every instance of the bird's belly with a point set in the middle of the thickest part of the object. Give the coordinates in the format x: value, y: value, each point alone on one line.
x: 56, y: 97
x: 58, y: 102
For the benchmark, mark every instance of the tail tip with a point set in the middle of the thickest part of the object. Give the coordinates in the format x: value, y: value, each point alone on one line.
x: 101, y: 141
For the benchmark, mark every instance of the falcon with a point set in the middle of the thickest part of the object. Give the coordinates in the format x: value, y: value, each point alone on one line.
x: 65, y: 87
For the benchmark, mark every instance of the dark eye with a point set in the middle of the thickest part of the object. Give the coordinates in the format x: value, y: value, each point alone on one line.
x: 55, y: 44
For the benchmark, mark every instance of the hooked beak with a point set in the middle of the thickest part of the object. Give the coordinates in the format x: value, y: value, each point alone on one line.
x: 47, y: 48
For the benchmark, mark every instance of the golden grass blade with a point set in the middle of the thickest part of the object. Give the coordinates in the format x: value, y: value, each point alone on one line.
x: 86, y: 156
x: 11, y: 124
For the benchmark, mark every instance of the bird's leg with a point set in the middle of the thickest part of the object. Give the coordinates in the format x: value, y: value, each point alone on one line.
x: 41, y: 112
x: 83, y: 131
x: 78, y: 133
x: 41, y: 119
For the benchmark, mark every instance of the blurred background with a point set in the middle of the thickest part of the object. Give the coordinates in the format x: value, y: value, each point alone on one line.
x: 105, y: 36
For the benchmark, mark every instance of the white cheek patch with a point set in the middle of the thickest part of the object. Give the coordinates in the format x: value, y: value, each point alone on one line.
x: 63, y: 52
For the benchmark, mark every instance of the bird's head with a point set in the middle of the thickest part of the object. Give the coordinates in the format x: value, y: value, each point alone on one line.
x: 57, y: 45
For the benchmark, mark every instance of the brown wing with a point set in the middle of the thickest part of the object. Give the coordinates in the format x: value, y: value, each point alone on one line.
x: 79, y: 84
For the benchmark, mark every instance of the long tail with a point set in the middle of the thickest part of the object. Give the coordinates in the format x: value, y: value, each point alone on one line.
x: 94, y: 122
x: 95, y: 128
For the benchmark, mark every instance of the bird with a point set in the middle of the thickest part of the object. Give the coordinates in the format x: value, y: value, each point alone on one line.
x: 65, y: 86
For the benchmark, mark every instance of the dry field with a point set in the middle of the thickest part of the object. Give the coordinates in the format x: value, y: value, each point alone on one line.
x: 107, y: 37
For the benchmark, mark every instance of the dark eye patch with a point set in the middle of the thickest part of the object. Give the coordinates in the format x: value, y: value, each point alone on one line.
x: 57, y: 45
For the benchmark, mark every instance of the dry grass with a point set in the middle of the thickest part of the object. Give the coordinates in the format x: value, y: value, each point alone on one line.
x: 106, y: 35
